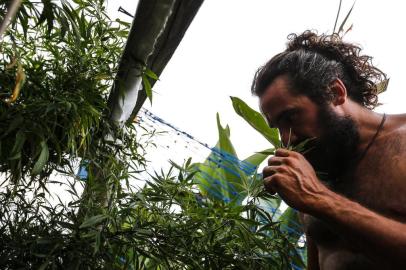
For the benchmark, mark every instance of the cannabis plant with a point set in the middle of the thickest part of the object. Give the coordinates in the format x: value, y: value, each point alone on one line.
x: 58, y: 61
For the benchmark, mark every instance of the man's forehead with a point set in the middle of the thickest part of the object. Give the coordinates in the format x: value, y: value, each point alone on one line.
x: 276, y: 96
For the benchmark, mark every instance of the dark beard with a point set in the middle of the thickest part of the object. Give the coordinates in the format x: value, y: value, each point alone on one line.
x: 332, y: 154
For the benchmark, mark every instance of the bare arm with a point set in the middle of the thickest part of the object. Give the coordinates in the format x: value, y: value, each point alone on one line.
x: 375, y: 235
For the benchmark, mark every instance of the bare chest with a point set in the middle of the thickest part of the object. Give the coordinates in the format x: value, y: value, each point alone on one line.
x: 378, y: 183
x: 379, y: 180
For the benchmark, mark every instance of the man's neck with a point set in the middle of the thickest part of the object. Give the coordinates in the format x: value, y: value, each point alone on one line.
x: 368, y: 122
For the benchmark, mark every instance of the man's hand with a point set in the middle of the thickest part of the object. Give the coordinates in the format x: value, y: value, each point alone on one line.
x: 290, y: 175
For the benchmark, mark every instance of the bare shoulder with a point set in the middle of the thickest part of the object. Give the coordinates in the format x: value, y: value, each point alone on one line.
x: 393, y: 138
x: 397, y: 122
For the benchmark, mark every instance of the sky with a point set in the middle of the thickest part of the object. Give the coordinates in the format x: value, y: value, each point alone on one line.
x: 230, y: 39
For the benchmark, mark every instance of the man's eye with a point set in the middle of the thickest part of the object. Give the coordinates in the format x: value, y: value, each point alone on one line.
x: 290, y: 118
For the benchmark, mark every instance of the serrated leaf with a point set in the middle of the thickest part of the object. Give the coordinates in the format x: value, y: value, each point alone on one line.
x: 290, y: 223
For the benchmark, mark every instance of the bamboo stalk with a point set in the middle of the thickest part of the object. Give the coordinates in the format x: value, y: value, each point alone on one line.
x: 11, y: 12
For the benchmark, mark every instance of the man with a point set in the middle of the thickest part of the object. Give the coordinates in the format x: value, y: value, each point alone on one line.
x: 350, y: 183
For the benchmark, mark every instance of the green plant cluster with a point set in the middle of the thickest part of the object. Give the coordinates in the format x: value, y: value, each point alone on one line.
x: 57, y: 63
x: 222, y: 177
x: 167, y: 224
x: 69, y: 56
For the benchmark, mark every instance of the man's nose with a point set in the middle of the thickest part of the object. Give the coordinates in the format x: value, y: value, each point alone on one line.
x: 288, y: 137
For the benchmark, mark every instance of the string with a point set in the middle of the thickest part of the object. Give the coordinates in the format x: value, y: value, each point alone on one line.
x: 373, y: 138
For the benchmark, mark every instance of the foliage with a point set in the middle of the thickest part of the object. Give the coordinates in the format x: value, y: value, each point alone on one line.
x: 65, y: 57
x: 58, y: 62
x: 223, y: 178
x: 198, y: 233
x: 165, y: 225
x: 289, y: 218
x: 69, y: 56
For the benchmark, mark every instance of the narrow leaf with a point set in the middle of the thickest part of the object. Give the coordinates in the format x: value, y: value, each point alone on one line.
x: 345, y: 19
x: 257, y: 158
x: 93, y: 221
x: 151, y: 74
x: 42, y: 159
x: 147, y: 87
x: 256, y: 120
x: 18, y: 145
x: 338, y: 14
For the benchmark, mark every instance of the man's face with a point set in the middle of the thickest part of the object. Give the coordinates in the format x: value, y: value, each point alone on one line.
x: 334, y: 138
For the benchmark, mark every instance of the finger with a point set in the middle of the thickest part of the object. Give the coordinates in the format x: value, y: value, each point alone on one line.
x: 273, y: 161
x: 270, y: 184
x: 271, y: 170
x: 268, y: 171
x: 281, y: 152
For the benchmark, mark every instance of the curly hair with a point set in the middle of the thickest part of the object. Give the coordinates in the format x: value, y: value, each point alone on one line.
x: 313, y: 62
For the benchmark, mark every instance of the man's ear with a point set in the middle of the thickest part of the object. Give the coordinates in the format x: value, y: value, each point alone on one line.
x: 339, y: 92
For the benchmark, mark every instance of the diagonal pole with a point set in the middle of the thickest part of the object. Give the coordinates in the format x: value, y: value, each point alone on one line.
x: 11, y: 12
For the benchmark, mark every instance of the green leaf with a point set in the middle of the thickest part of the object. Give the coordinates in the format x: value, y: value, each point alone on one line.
x: 256, y: 120
x: 93, y: 221
x: 97, y: 243
x: 64, y: 25
x: 151, y: 74
x: 18, y: 145
x: 220, y: 176
x: 269, y: 152
x: 233, y: 176
x: 257, y: 158
x: 271, y: 205
x: 47, y: 15
x: 290, y: 222
x: 188, y: 162
x: 126, y: 24
x: 147, y: 87
x: 42, y: 159
x: 224, y: 138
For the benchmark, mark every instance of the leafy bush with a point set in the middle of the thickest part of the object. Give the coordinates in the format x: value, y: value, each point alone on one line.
x: 58, y: 63
x: 68, y: 66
